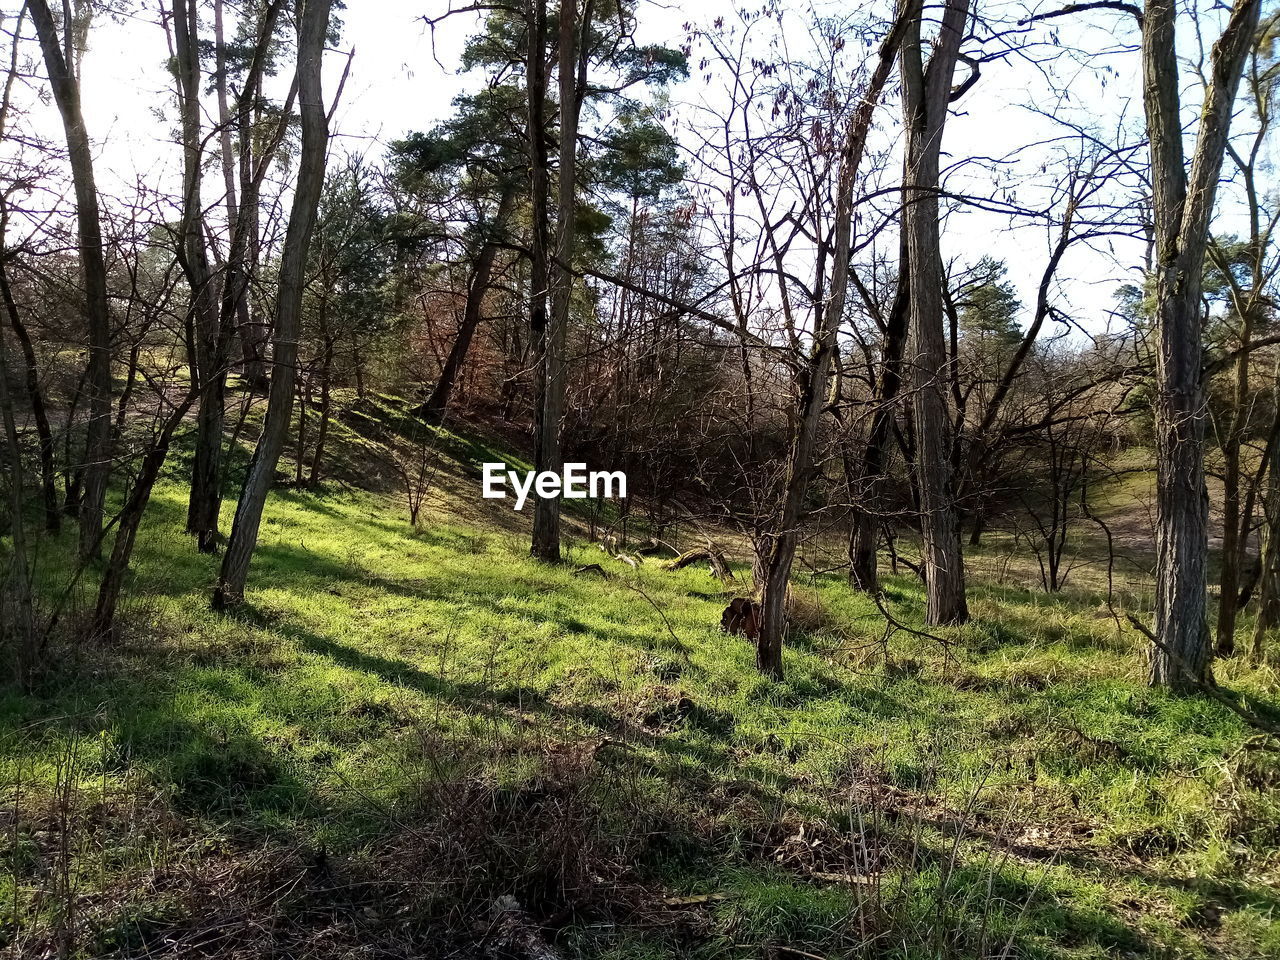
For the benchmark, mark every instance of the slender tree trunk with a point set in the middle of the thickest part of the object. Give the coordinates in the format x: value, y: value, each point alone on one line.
x: 66, y: 93
x: 1235, y: 520
x: 865, y: 533
x: 481, y: 279
x: 812, y: 382
x: 926, y: 93
x: 208, y: 362
x: 552, y: 372
x: 218, y: 320
x: 19, y: 608
x: 300, y: 455
x: 111, y: 586
x: 539, y: 185
x: 1268, y: 614
x: 979, y: 527
x: 1181, y: 212
x: 266, y: 455
x: 326, y: 407
x: 35, y: 397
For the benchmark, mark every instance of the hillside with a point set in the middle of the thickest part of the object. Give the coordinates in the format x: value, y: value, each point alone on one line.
x: 419, y: 742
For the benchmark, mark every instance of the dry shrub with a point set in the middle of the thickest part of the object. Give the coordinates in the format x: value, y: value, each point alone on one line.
x: 806, y: 612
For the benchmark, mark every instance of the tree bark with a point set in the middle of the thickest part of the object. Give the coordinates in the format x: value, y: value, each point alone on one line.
x: 312, y: 29
x: 926, y: 94
x: 66, y: 93
x: 1181, y: 210
x: 539, y: 180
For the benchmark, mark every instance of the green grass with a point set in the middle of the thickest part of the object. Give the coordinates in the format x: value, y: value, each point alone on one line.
x: 403, y: 725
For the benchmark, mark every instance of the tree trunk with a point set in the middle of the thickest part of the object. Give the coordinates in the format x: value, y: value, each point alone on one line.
x: 207, y: 363
x: 1181, y: 212
x: 35, y: 396
x: 66, y: 93
x: 218, y: 320
x: 19, y: 609
x: 539, y: 227
x: 1235, y: 520
x: 303, y: 396
x: 326, y: 407
x: 552, y: 370
x: 481, y: 277
x: 979, y: 527
x: 865, y: 534
x: 812, y: 381
x: 926, y: 93
x: 266, y: 455
x: 128, y: 522
x: 1268, y: 614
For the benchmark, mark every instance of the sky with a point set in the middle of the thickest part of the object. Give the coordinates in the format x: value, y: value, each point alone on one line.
x: 403, y: 77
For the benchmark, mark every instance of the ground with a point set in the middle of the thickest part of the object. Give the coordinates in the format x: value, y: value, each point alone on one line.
x: 403, y: 727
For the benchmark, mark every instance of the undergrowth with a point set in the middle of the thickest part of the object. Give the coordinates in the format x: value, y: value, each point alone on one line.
x: 405, y: 726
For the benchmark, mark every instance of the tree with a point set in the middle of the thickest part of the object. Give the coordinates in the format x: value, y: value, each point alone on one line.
x: 926, y: 94
x: 313, y: 27
x: 811, y: 385
x: 474, y: 154
x: 1182, y: 207
x: 349, y: 296
x: 1245, y: 271
x: 61, y: 64
x: 220, y: 315
x: 574, y: 53
x: 202, y: 319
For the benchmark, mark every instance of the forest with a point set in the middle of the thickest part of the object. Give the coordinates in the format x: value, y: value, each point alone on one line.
x: 555, y: 479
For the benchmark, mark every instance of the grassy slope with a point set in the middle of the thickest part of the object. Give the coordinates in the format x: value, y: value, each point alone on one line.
x: 406, y: 725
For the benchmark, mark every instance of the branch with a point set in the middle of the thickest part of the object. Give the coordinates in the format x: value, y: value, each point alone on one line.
x: 1093, y: 5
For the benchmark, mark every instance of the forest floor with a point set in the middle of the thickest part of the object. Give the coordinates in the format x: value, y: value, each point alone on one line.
x: 421, y: 743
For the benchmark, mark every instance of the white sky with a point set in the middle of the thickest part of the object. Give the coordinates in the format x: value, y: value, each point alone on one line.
x: 402, y: 81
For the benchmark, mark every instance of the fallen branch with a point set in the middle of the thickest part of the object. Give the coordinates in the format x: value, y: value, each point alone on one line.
x: 711, y: 554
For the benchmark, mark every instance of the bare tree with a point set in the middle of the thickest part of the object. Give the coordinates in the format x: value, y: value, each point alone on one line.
x: 811, y: 386
x: 1248, y: 270
x: 61, y: 65
x: 926, y: 94
x: 312, y: 30
x: 218, y: 319
x: 1182, y: 207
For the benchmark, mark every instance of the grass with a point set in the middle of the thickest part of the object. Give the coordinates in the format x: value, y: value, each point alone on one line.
x: 404, y: 725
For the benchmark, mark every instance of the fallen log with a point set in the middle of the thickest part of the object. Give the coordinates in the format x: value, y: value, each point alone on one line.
x: 711, y: 554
